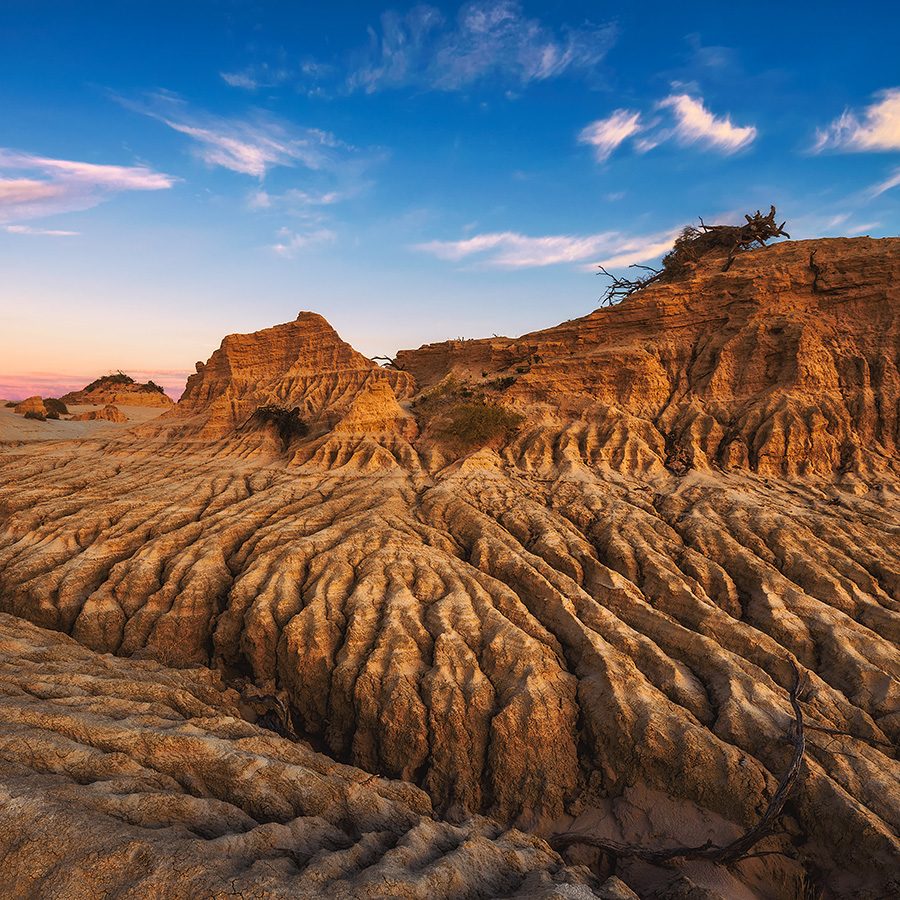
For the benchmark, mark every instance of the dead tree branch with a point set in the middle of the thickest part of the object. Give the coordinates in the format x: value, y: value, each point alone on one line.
x: 694, y: 243
x: 739, y: 847
x: 387, y: 362
x: 620, y: 288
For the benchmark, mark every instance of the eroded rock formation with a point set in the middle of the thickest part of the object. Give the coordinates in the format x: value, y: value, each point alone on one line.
x: 31, y: 405
x: 109, y: 413
x: 301, y: 364
x: 592, y: 621
x: 121, y: 778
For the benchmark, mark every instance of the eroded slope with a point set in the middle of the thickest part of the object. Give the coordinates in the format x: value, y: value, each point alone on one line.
x: 128, y: 779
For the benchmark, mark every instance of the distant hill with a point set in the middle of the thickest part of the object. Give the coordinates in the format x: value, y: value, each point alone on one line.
x: 119, y: 388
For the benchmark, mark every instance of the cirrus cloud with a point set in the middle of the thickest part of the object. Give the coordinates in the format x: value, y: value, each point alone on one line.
x: 888, y: 184
x: 489, y: 39
x: 605, y: 135
x: 292, y: 242
x: 694, y: 123
x: 492, y: 42
x: 512, y: 250
x: 45, y: 186
x: 250, y: 145
x: 46, y: 232
x: 876, y: 128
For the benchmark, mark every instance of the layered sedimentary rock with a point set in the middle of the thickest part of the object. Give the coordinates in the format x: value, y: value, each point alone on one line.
x: 302, y: 364
x: 590, y: 625
x: 784, y: 364
x: 121, y: 778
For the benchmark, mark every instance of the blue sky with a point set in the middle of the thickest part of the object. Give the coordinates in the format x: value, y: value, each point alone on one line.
x: 172, y: 172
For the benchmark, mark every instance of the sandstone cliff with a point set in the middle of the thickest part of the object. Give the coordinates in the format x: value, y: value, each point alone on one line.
x: 589, y: 623
x: 785, y: 364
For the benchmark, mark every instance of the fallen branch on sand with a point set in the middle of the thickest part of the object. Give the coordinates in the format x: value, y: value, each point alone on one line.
x: 738, y: 848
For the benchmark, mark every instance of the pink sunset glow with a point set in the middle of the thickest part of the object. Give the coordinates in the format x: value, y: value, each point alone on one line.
x: 55, y: 384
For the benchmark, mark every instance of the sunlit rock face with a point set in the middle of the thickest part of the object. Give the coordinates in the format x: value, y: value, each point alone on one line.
x: 302, y: 364
x: 559, y: 623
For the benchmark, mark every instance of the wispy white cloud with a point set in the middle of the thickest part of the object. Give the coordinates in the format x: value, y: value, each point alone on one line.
x: 489, y: 41
x: 292, y: 242
x: 876, y: 128
x: 511, y: 250
x: 250, y: 146
x: 240, y: 80
x: 263, y: 75
x: 865, y: 228
x: 605, y: 135
x: 295, y: 200
x: 688, y: 121
x: 47, y: 232
x: 51, y: 186
x: 694, y: 123
x: 888, y: 184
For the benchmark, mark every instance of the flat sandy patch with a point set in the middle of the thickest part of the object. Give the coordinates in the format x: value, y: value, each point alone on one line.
x: 14, y: 427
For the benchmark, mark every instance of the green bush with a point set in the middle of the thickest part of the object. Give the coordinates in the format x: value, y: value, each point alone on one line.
x: 53, y: 415
x: 40, y: 417
x: 55, y: 406
x: 471, y: 424
x: 11, y: 405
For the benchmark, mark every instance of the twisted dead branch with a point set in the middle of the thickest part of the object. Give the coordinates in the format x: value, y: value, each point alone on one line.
x: 738, y: 848
x: 620, y: 288
x: 692, y: 244
x: 387, y: 362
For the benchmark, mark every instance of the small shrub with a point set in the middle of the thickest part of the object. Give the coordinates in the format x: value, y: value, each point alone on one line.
x: 40, y: 417
x: 506, y: 381
x: 476, y: 423
x: 11, y: 405
x: 53, y: 415
x: 55, y: 406
x: 153, y: 386
x: 288, y: 421
x: 521, y: 370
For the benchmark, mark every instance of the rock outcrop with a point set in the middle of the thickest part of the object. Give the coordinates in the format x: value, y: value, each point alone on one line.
x: 589, y: 625
x: 109, y: 413
x: 31, y: 405
x: 301, y: 364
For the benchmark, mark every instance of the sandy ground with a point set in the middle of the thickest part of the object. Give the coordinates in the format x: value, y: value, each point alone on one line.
x: 14, y: 427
